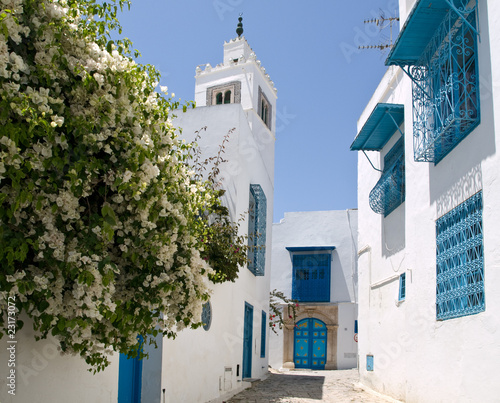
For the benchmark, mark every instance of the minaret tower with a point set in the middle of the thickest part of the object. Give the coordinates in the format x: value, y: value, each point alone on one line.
x: 240, y: 78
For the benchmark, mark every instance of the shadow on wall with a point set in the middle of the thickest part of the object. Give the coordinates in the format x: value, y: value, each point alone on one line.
x: 340, y: 289
x: 393, y: 232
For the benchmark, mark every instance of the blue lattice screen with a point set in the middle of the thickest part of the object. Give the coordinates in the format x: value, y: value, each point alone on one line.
x: 460, y: 261
x: 257, y: 218
x: 446, y: 86
x: 389, y: 192
x: 311, y: 278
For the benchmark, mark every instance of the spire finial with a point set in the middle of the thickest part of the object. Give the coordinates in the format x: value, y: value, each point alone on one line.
x: 239, y: 29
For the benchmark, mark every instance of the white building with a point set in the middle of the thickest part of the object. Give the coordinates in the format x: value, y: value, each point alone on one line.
x: 212, y: 362
x: 428, y: 185
x: 314, y: 263
x: 235, y: 97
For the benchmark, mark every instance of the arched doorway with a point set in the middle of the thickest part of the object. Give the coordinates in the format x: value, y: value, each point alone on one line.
x: 310, y: 340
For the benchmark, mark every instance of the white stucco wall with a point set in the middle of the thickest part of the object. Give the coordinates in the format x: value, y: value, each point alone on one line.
x: 200, y: 365
x: 320, y: 228
x: 42, y: 374
x: 416, y: 357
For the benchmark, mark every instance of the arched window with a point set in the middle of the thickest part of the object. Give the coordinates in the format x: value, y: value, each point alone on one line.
x: 227, y: 97
x: 218, y: 99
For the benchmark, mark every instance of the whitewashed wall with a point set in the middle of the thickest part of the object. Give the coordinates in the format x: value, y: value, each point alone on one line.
x: 320, y: 228
x: 195, y: 363
x: 42, y: 374
x: 416, y: 357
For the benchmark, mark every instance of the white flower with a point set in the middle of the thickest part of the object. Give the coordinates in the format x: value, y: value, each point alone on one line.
x: 127, y: 176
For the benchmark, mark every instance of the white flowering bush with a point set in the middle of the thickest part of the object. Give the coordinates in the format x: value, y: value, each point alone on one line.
x: 100, y: 232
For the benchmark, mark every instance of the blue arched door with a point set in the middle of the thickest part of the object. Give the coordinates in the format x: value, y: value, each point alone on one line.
x: 310, y: 340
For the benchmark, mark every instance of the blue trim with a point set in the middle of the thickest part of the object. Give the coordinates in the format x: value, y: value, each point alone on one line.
x: 402, y: 287
x: 384, y: 120
x: 309, y: 248
x: 263, y: 335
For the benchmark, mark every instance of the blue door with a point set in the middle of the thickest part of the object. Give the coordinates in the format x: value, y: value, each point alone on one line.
x: 247, y: 341
x: 310, y: 340
x: 129, y: 379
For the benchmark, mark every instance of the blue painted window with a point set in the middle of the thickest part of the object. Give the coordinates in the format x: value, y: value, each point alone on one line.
x: 311, y: 277
x: 460, y: 261
x: 446, y: 86
x: 257, y: 218
x: 356, y: 326
x: 389, y: 192
x: 263, y: 335
x: 402, y: 287
x: 369, y: 362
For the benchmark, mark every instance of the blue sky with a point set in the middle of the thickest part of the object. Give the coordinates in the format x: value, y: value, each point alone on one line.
x: 309, y: 49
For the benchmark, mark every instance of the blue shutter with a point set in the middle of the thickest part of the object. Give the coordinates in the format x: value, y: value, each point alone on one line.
x: 311, y: 278
x: 257, y: 222
x: 263, y: 335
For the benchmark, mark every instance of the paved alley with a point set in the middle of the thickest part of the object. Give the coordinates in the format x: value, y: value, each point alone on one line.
x: 310, y: 387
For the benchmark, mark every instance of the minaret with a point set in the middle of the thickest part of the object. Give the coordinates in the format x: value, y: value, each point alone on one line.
x: 240, y: 78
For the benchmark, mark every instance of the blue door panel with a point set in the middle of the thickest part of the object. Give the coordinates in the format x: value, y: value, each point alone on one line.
x: 247, y: 341
x: 310, y: 344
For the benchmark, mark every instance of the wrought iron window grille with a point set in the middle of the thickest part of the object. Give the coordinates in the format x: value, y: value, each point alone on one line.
x: 389, y: 192
x: 445, y: 83
x: 257, y: 218
x: 460, y: 261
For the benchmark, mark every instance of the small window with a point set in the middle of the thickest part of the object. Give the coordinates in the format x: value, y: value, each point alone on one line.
x: 264, y: 109
x: 402, y: 287
x: 228, y: 93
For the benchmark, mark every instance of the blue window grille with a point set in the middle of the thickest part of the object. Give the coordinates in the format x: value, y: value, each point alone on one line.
x: 369, y: 362
x: 257, y: 217
x: 311, y: 278
x: 389, y: 192
x: 263, y: 335
x: 402, y: 287
x: 446, y: 86
x: 460, y: 261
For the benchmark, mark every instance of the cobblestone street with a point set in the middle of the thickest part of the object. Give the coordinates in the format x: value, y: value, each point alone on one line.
x: 310, y: 387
